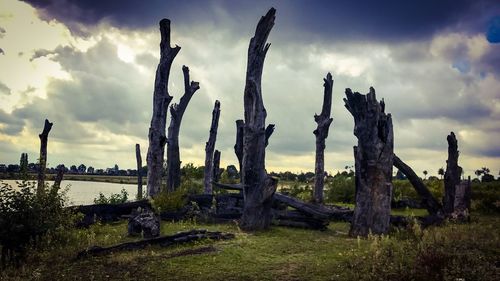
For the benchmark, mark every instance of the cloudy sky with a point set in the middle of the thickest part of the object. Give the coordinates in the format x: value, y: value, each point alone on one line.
x: 88, y: 66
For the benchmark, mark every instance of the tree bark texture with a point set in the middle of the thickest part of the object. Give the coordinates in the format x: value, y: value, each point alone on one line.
x: 238, y: 146
x: 323, y: 120
x: 210, y: 147
x: 373, y: 162
x: 42, y: 166
x: 139, y: 170
x: 161, y: 100
x: 431, y: 204
x: 176, y: 113
x: 216, y: 170
x: 452, y: 175
x: 258, y: 186
x: 58, y: 179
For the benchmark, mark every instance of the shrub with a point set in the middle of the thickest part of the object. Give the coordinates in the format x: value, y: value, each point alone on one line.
x: 340, y: 189
x: 115, y: 198
x: 26, y: 218
x: 302, y: 192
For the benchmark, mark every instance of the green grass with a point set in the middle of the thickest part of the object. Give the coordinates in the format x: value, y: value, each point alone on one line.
x: 277, y: 254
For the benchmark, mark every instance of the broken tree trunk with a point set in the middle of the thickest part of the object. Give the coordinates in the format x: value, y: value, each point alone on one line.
x: 210, y: 147
x: 163, y: 241
x: 59, y: 177
x: 373, y: 160
x: 216, y: 170
x: 42, y: 165
x: 452, y: 175
x: 161, y: 100
x: 431, y: 204
x: 107, y: 212
x: 238, y: 146
x: 139, y: 170
x: 176, y: 113
x: 323, y: 120
x: 258, y: 186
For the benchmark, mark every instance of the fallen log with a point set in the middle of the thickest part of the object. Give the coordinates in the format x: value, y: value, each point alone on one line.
x: 163, y: 241
x: 298, y: 219
x: 107, y: 212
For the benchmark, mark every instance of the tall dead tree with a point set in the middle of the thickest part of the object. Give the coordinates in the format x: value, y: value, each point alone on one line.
x: 161, y: 100
x: 323, y: 120
x: 452, y: 175
x: 216, y: 169
x: 139, y: 170
x: 176, y: 113
x: 42, y: 165
x: 431, y: 204
x: 238, y: 146
x: 210, y: 147
x: 258, y: 187
x: 373, y: 162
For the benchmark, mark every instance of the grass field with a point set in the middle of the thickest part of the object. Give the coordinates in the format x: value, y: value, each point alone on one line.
x: 277, y: 254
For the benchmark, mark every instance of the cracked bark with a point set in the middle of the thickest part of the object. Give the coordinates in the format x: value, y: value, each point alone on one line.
x: 209, y: 149
x: 42, y: 165
x: 452, y: 175
x: 139, y: 170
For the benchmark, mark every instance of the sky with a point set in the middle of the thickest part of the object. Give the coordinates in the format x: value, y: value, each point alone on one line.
x: 88, y: 66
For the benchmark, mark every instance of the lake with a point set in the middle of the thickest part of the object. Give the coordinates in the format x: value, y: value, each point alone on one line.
x: 84, y: 192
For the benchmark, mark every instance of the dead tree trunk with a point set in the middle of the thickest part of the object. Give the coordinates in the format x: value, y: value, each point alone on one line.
x: 42, y: 165
x: 452, y: 175
x: 323, y: 120
x: 139, y: 170
x: 58, y: 179
x: 238, y: 147
x: 431, y: 204
x: 176, y: 113
x: 258, y: 186
x: 373, y: 160
x: 161, y: 100
x: 216, y: 169
x: 210, y: 147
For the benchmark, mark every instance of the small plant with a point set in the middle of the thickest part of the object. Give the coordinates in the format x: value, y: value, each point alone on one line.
x: 115, y: 198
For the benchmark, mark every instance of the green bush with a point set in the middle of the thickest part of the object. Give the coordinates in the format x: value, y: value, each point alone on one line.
x: 174, y: 201
x: 115, y: 198
x: 486, y: 197
x: 28, y: 218
x: 340, y: 189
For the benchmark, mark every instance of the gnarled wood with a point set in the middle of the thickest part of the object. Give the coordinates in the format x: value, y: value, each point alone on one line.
x: 452, y: 175
x: 216, y: 170
x: 431, y: 204
x: 42, y: 165
x: 139, y: 170
x: 258, y: 186
x: 373, y: 161
x: 238, y: 146
x: 163, y: 241
x: 209, y: 149
x: 161, y: 100
x: 323, y: 120
x: 176, y: 113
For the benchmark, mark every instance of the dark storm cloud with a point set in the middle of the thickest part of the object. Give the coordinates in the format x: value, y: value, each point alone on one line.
x: 4, y: 90
x: 9, y: 124
x: 328, y: 20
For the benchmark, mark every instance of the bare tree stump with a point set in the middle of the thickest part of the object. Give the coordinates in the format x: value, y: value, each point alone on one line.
x: 176, y: 113
x: 238, y: 147
x: 373, y: 161
x: 139, y: 170
x: 323, y: 120
x: 161, y: 100
x: 452, y: 175
x: 210, y: 147
x: 258, y: 186
x: 216, y: 169
x: 42, y: 166
x: 431, y: 204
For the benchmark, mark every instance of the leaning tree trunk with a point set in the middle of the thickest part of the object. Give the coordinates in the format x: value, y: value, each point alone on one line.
x: 176, y: 113
x: 210, y: 147
x: 323, y: 120
x: 452, y: 175
x: 238, y: 146
x: 216, y: 168
x: 42, y: 166
x: 139, y: 170
x: 161, y: 100
x: 258, y: 187
x: 373, y: 161
x: 431, y: 204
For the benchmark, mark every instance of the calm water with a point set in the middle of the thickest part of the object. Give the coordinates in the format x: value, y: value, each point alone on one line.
x: 84, y: 192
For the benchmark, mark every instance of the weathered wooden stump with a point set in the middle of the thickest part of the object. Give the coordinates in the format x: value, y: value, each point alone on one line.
x: 209, y: 150
x: 373, y: 163
x: 42, y: 166
x: 144, y: 222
